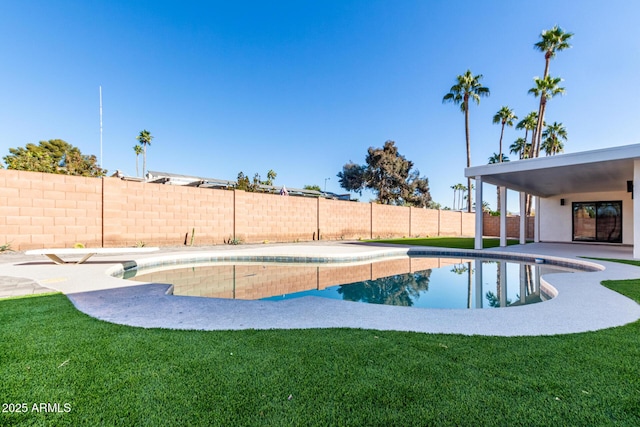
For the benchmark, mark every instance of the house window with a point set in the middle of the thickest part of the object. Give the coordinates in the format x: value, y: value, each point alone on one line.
x: 597, y: 222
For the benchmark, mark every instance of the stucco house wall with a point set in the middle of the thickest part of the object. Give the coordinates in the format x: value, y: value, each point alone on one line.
x: 556, y: 220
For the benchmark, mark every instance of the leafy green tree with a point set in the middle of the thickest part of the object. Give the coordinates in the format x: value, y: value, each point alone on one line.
x: 553, y: 136
x: 545, y: 88
x: 389, y: 175
x: 243, y: 182
x: 467, y: 88
x: 53, y: 156
x: 138, y: 150
x: 144, y: 138
x: 505, y: 116
x: 312, y: 187
x: 352, y: 177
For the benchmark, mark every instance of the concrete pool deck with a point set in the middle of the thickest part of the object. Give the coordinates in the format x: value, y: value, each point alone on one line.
x: 582, y: 304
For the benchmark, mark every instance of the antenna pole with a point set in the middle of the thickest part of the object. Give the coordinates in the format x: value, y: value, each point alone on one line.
x: 101, y: 126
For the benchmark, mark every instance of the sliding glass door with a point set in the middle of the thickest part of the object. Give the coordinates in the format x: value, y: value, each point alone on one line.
x: 597, y: 222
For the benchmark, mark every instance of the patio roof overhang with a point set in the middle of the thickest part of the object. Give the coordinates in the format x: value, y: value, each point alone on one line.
x: 607, y: 169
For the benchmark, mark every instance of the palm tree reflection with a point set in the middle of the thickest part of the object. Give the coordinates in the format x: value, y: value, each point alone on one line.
x: 401, y: 289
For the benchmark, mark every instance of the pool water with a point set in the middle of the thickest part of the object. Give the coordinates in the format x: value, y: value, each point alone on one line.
x: 421, y: 282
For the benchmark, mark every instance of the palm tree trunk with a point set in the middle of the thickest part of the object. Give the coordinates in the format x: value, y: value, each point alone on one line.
x: 144, y: 161
x: 500, y: 152
x: 137, y: 170
x: 539, y: 126
x: 466, y: 130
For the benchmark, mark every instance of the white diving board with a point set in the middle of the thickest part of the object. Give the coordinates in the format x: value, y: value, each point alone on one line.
x: 54, y: 253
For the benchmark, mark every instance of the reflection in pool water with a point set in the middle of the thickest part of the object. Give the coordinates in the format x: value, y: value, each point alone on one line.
x: 421, y: 282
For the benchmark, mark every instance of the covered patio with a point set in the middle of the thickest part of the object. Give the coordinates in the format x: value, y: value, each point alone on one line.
x: 563, y: 186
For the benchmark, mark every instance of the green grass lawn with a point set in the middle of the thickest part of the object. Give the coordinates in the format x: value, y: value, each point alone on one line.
x: 446, y: 242
x: 118, y: 375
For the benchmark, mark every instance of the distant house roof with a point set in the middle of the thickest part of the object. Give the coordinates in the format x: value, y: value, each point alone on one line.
x: 200, y: 182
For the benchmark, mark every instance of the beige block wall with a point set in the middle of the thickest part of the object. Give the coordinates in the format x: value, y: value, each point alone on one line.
x: 274, y: 218
x: 45, y: 210
x: 164, y: 215
x: 389, y: 221
x: 344, y: 220
x: 491, y: 226
x: 424, y: 222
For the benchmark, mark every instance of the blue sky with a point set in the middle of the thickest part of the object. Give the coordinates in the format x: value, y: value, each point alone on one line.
x: 302, y: 87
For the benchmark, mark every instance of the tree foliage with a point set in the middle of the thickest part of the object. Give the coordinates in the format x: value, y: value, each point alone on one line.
x: 144, y: 139
x: 467, y: 88
x: 53, y: 156
x: 244, y: 183
x: 389, y: 175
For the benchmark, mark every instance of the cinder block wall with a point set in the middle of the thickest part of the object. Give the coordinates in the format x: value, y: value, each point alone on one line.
x: 389, y: 221
x: 344, y: 220
x: 164, y: 215
x: 274, y: 218
x: 491, y: 226
x: 45, y: 210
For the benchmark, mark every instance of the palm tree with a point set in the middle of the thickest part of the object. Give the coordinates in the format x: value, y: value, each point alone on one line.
x: 553, y: 136
x: 519, y: 147
x: 144, y: 139
x: 552, y: 41
x: 138, y: 150
x: 528, y: 124
x: 467, y: 88
x: 498, y: 158
x: 495, y: 158
x: 505, y: 116
x: 546, y: 88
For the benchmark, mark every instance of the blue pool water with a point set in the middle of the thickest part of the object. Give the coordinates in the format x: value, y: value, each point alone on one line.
x: 451, y: 283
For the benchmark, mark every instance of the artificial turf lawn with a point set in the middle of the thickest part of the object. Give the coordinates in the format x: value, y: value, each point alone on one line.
x: 446, y: 242
x: 118, y: 375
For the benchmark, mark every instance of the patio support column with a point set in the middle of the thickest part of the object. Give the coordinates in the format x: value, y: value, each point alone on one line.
x: 503, y: 217
x: 536, y: 222
x: 478, y: 285
x: 523, y: 218
x: 479, y: 213
x: 636, y: 209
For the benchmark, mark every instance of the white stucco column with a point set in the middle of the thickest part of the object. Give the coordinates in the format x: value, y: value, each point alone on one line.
x: 503, y: 283
x: 478, y: 285
x: 523, y: 218
x: 636, y: 209
x: 536, y: 228
x: 479, y: 228
x: 503, y: 217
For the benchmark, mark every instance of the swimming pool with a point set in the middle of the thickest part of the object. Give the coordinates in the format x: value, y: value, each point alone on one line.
x: 415, y: 281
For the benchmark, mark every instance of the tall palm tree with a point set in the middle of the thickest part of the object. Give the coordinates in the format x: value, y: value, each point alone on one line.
x: 505, y: 116
x: 553, y: 136
x: 467, y: 88
x: 138, y: 150
x: 552, y: 41
x: 528, y: 124
x: 144, y: 139
x: 546, y: 88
